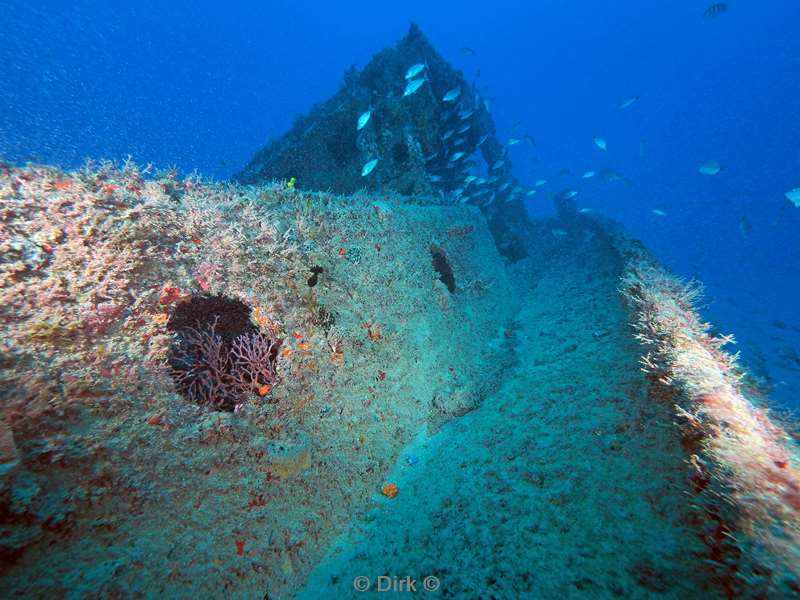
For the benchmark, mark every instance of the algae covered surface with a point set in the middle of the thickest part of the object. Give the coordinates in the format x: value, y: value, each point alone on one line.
x: 426, y: 413
x: 435, y: 412
x: 565, y: 482
x: 106, y: 459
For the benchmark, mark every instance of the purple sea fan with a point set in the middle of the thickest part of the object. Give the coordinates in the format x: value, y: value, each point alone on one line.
x: 254, y: 356
x: 220, y: 374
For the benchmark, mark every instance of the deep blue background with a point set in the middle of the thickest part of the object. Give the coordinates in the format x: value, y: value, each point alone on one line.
x: 202, y: 85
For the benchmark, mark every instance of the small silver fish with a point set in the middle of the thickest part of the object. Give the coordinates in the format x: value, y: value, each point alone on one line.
x: 715, y: 10
x: 413, y: 86
x: 368, y: 167
x: 540, y: 182
x: 498, y: 164
x: 566, y: 195
x: 451, y: 95
x: 589, y: 174
x: 414, y: 70
x: 464, y: 129
x: 626, y: 103
x: 363, y: 120
x: 583, y: 211
x: 448, y: 134
x: 465, y: 115
x: 600, y: 143
x: 611, y: 175
x: 658, y: 212
x: 711, y: 167
x: 513, y: 141
x: 483, y: 139
x: 794, y: 196
x: 745, y: 228
x: 435, y: 178
x: 530, y: 192
x: 456, y: 156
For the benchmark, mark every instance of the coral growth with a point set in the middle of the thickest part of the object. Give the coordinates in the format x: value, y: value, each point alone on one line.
x: 97, y: 269
x: 219, y: 357
x: 135, y: 275
x: 734, y: 443
x: 211, y: 372
x: 92, y: 259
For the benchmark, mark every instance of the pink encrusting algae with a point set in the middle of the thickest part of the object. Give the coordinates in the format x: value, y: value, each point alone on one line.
x: 731, y: 440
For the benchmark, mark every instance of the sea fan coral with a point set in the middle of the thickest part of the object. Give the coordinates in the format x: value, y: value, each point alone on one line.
x: 221, y: 367
x: 253, y: 356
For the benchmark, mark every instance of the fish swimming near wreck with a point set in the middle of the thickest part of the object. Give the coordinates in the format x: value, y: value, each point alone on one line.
x: 628, y: 102
x: 710, y: 167
x: 414, y: 70
x: 451, y: 95
x: 794, y: 196
x: 715, y: 10
x: 611, y: 175
x: 368, y: 167
x: 363, y: 120
x: 745, y: 227
x: 413, y: 86
x: 565, y: 195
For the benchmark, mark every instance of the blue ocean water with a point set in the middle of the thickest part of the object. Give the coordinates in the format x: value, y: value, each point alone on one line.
x: 201, y: 86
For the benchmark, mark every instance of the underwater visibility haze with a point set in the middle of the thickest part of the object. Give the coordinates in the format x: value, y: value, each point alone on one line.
x: 452, y: 299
